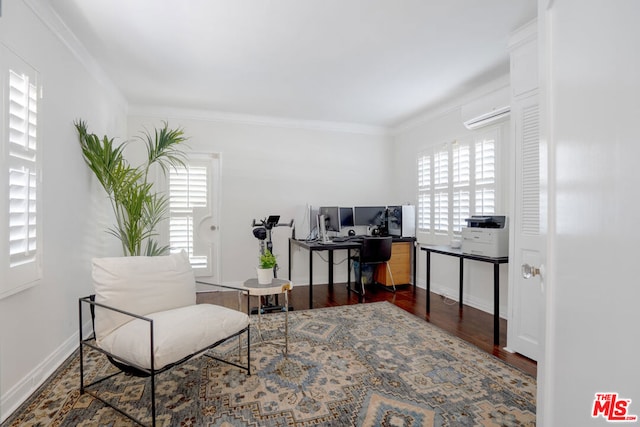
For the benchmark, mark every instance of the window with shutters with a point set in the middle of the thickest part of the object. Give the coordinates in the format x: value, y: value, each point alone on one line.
x: 188, y: 192
x: 456, y: 180
x: 424, y: 192
x: 22, y: 225
x: 192, y: 226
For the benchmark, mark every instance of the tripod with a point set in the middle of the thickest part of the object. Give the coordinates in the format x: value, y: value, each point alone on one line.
x: 262, y: 231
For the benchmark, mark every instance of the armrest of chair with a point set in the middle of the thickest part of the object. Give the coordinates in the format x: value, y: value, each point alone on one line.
x: 92, y: 303
x: 235, y: 288
x: 88, y: 300
x: 215, y: 285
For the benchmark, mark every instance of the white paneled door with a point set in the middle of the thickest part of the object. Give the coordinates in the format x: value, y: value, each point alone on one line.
x: 528, y: 255
x: 528, y: 239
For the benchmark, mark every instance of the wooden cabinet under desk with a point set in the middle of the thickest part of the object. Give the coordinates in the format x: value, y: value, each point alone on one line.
x: 400, y: 265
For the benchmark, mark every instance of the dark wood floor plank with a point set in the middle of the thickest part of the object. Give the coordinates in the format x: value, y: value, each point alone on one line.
x: 470, y: 324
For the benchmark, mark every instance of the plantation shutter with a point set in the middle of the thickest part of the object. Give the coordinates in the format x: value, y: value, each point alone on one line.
x: 441, y: 188
x: 455, y: 181
x: 22, y: 169
x: 188, y: 191
x: 424, y: 192
x: 461, y: 182
x: 485, y: 182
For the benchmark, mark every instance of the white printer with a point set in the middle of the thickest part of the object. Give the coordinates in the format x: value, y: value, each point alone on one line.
x: 486, y: 236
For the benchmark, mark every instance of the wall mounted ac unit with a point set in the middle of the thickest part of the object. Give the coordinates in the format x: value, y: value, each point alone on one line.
x: 489, y: 109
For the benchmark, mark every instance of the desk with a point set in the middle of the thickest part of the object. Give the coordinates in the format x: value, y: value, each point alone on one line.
x: 316, y: 247
x: 333, y: 246
x: 447, y: 250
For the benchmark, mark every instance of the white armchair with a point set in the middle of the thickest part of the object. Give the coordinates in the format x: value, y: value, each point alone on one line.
x: 146, y: 320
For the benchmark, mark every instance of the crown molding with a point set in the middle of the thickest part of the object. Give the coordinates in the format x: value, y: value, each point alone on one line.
x: 522, y: 35
x: 50, y: 18
x: 256, y: 120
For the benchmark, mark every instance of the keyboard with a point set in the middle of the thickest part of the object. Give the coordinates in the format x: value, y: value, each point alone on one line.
x: 340, y: 239
x: 343, y: 239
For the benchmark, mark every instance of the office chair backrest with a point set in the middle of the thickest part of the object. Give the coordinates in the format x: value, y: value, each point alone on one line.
x: 375, y: 249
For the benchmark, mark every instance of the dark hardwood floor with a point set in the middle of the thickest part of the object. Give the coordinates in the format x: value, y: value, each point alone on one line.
x: 469, y: 324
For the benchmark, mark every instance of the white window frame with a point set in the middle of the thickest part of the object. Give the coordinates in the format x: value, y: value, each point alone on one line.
x: 21, y: 205
x: 451, y: 183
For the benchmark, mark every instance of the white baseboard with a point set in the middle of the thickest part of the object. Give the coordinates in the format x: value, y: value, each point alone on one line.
x: 19, y: 393
x: 471, y: 301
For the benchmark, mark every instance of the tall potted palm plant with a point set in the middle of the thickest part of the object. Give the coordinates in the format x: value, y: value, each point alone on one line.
x: 137, y: 207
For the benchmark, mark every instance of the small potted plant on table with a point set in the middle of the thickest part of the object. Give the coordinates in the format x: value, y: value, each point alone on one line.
x: 266, y: 267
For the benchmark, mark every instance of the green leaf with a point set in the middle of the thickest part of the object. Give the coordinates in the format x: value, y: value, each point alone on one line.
x: 267, y: 259
x: 138, y: 209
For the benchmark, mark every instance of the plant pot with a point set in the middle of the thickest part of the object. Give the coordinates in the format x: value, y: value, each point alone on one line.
x: 265, y: 275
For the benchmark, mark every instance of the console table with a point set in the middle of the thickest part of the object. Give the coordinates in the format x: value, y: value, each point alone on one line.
x: 447, y: 250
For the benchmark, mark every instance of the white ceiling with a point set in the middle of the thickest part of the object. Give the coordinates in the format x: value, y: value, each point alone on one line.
x: 370, y: 62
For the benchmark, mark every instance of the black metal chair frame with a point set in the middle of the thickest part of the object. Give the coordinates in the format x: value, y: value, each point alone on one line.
x: 127, y: 367
x: 364, y: 257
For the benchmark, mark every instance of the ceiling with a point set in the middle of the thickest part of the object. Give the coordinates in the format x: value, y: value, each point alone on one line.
x: 369, y: 62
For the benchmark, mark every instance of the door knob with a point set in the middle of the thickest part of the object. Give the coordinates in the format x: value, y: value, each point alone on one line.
x: 529, y: 271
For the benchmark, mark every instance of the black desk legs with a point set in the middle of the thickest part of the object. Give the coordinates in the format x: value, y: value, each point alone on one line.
x: 310, y: 279
x: 290, y: 259
x: 311, y: 274
x: 496, y: 281
x: 330, y: 266
x: 496, y: 304
x: 414, y: 263
x: 428, y: 282
x: 349, y: 269
x: 461, y: 282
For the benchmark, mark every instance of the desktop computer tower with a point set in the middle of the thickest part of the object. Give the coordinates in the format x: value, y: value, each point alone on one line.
x: 401, y: 221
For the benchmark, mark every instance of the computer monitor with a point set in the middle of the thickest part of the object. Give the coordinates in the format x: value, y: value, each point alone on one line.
x: 369, y: 215
x: 313, y: 222
x: 346, y: 217
x: 331, y: 217
x: 322, y: 231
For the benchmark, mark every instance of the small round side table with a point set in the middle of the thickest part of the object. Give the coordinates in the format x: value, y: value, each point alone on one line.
x: 277, y: 286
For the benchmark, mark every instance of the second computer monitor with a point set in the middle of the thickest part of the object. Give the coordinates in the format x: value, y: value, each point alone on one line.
x: 346, y: 217
x: 369, y: 215
x: 331, y: 217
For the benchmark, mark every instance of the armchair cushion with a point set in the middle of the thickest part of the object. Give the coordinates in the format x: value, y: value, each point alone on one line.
x: 178, y: 333
x: 140, y: 285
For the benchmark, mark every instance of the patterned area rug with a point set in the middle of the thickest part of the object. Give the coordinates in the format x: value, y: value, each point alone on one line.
x: 357, y: 365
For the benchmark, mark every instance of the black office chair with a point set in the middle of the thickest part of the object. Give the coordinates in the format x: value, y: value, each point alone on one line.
x: 374, y: 250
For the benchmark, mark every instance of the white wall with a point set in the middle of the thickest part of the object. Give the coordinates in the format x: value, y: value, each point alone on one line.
x: 300, y: 163
x: 593, y: 101
x: 38, y: 326
x: 445, y: 125
x: 273, y: 167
